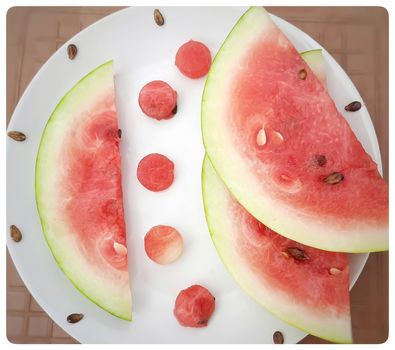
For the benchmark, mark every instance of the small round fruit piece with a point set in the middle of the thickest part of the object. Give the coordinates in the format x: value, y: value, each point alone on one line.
x: 155, y: 172
x: 193, y: 59
x: 158, y: 100
x: 163, y: 244
x: 194, y: 307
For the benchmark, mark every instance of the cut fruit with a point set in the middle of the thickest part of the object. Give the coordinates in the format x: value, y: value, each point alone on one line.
x: 155, y: 172
x: 79, y: 192
x: 193, y: 59
x: 253, y: 82
x: 289, y: 279
x: 163, y: 244
x: 158, y: 100
x: 194, y: 307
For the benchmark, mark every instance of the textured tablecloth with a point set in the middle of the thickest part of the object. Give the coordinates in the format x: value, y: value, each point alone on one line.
x: 357, y: 37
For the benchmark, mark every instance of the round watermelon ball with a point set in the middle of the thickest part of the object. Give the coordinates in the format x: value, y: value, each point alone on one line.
x: 163, y: 244
x: 158, y: 100
x: 155, y: 172
x: 193, y: 59
x: 194, y: 307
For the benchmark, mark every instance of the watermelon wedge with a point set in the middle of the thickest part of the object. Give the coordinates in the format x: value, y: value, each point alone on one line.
x: 79, y: 192
x: 276, y: 139
x: 304, y: 286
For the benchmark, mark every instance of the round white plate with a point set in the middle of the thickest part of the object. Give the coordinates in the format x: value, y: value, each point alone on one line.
x: 142, y: 52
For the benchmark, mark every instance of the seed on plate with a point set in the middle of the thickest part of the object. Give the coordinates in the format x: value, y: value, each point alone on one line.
x: 353, y: 106
x: 119, y: 133
x: 120, y: 248
x: 302, y: 74
x: 261, y: 137
x: 15, y: 233
x: 334, y: 271
x: 320, y: 159
x: 278, y: 337
x: 74, y: 318
x: 334, y: 178
x: 72, y: 51
x: 297, y: 254
x: 158, y: 17
x: 17, y: 135
x: 174, y: 111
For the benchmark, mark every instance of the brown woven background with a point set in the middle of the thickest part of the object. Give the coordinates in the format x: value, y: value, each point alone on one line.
x: 356, y: 37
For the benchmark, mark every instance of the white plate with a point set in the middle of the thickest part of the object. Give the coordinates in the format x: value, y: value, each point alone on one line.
x: 142, y: 52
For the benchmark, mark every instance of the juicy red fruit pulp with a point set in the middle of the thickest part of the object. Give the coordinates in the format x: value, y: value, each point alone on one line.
x: 300, y: 123
x: 163, y: 244
x: 193, y: 59
x: 158, y: 100
x: 155, y: 172
x: 194, y: 307
x: 317, y: 277
x: 92, y: 190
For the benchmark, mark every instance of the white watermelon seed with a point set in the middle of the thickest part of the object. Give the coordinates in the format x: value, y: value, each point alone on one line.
x: 261, y: 137
x: 334, y: 271
x: 120, y: 248
x: 277, y: 137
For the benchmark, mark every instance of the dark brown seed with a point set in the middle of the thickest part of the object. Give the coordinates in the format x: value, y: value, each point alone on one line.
x: 278, y: 337
x: 15, y: 233
x: 17, y: 135
x: 202, y: 322
x: 297, y: 254
x: 74, y: 318
x: 302, y: 74
x: 72, y: 51
x: 320, y: 159
x: 334, y: 178
x: 353, y: 106
x: 174, y: 111
x: 158, y: 17
x: 119, y: 133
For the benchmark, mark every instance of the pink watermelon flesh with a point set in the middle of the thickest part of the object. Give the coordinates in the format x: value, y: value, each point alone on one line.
x: 281, y: 182
x: 79, y: 192
x: 93, y: 184
x: 163, y: 244
x: 194, y: 306
x: 158, y: 100
x: 309, y: 291
x: 193, y: 59
x: 281, y: 107
x: 155, y: 172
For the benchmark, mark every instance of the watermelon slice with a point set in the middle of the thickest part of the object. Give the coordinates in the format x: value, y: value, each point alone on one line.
x: 79, y: 193
x: 276, y: 139
x: 304, y: 286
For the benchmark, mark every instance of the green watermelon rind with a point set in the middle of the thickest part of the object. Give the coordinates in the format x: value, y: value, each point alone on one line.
x: 245, y: 187
x: 73, y: 98
x: 215, y: 196
x: 316, y: 62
